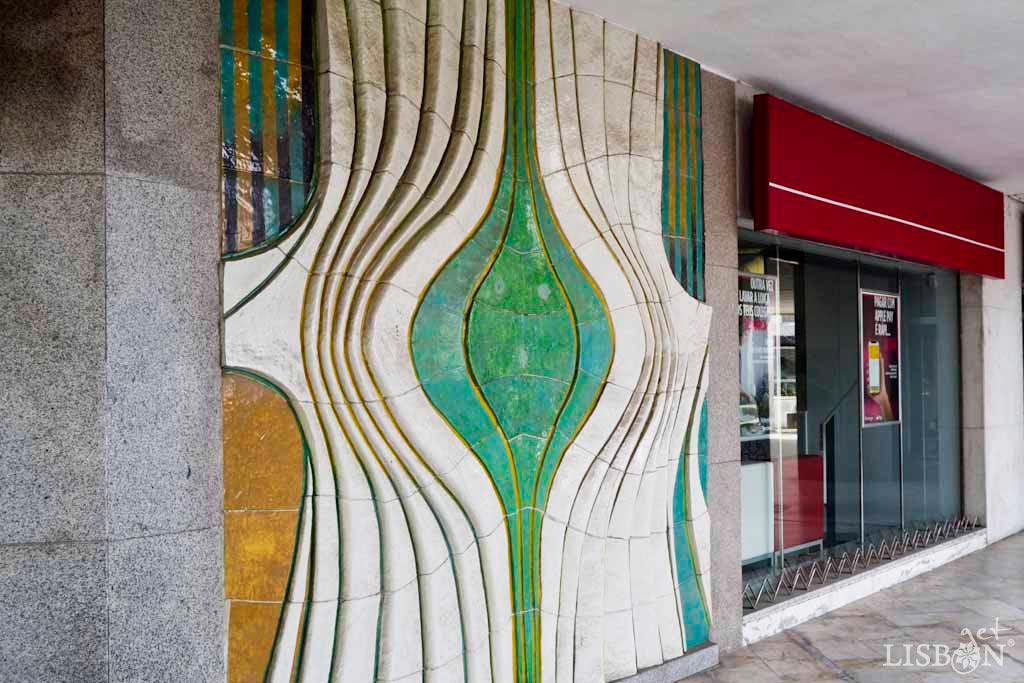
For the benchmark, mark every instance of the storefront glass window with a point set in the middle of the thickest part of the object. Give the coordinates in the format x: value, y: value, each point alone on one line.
x: 931, y: 386
x: 848, y: 401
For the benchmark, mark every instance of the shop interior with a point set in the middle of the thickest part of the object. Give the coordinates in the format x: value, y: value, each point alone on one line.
x: 849, y: 398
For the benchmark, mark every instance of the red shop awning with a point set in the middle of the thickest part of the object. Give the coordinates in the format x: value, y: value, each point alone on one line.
x: 819, y: 180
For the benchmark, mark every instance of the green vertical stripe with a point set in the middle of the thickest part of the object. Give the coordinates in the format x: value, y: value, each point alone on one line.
x: 281, y: 30
x: 281, y: 87
x: 256, y: 107
x: 227, y: 95
x: 227, y: 73
x: 271, y: 216
x: 702, y: 448
x: 666, y: 143
x: 281, y: 110
x: 255, y: 75
x: 699, y: 164
x: 691, y: 228
x: 295, y: 139
x: 254, y: 32
x: 227, y: 21
x: 674, y: 113
x: 684, y: 120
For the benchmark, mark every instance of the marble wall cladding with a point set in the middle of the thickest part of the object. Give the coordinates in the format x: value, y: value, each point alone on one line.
x: 744, y: 103
x: 160, y: 96
x: 53, y: 85
x: 53, y: 470
x: 718, y: 125
x: 55, y: 612
x: 490, y: 330
x: 110, y: 549
x: 993, y: 388
x: 162, y: 361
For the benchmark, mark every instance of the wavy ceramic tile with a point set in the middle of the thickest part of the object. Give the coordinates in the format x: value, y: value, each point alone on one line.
x: 495, y: 369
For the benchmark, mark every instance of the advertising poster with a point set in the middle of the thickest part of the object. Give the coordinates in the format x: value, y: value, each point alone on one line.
x: 756, y: 306
x: 880, y: 352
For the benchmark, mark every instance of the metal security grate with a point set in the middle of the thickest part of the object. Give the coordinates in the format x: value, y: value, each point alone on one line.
x: 845, y: 561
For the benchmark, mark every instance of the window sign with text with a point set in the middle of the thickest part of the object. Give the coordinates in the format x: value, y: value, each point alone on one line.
x: 756, y: 310
x: 880, y: 353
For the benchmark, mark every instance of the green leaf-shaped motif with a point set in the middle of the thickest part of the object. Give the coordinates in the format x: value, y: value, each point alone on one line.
x: 512, y: 342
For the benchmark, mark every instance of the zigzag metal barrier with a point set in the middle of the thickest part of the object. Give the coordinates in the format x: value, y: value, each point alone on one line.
x: 886, y: 546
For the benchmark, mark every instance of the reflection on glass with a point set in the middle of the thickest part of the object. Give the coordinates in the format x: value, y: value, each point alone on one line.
x: 831, y: 340
x: 756, y: 311
x: 931, y: 397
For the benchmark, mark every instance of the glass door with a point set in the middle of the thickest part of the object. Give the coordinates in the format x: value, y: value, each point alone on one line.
x: 881, y: 381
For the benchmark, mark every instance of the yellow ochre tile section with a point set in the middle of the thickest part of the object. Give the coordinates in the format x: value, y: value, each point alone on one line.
x: 258, y: 549
x: 263, y: 485
x: 250, y: 640
x: 263, y: 466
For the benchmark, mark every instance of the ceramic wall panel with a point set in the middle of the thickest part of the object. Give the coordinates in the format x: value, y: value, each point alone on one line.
x: 488, y: 325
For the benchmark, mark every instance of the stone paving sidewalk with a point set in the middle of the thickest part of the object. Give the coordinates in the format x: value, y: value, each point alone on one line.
x: 849, y: 644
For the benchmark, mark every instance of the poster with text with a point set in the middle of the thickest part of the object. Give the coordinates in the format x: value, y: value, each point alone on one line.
x: 880, y: 353
x: 756, y: 307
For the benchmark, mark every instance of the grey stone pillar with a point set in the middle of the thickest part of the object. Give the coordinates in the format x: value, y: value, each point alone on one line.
x: 718, y: 98
x: 111, y: 559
